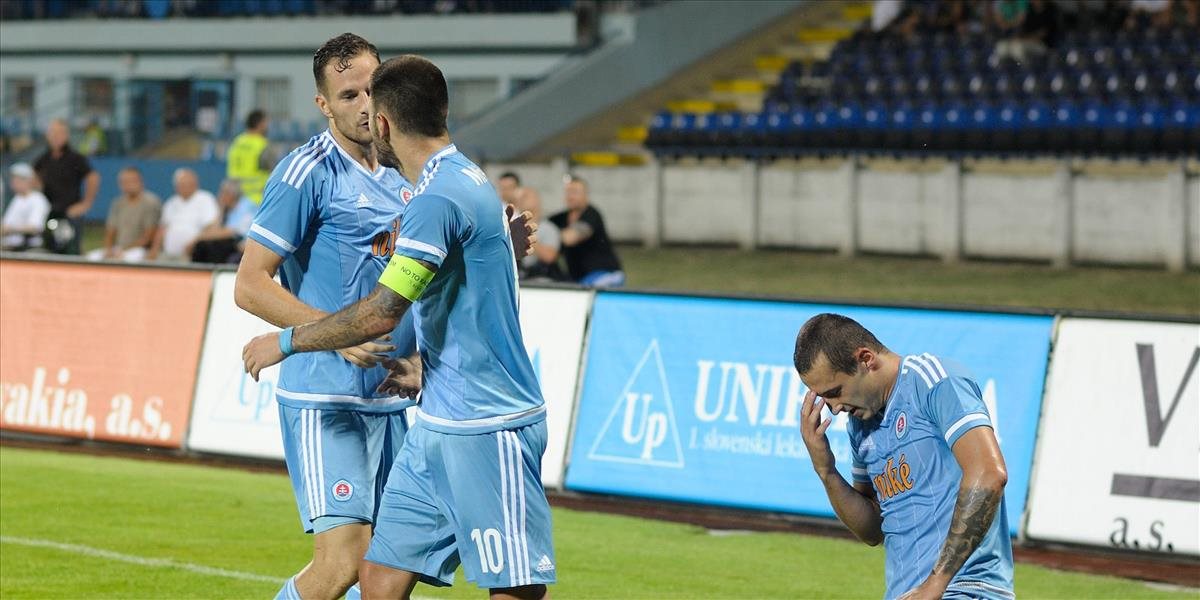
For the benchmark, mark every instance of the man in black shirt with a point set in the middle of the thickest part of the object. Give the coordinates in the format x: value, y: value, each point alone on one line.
x: 62, y: 171
x: 591, y: 259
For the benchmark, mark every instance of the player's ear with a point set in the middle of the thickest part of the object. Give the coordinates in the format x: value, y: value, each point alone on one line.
x: 322, y: 105
x: 866, y: 357
x: 382, y: 126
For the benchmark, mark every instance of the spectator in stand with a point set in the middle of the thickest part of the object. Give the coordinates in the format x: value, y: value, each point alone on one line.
x: 25, y: 216
x: 542, y: 265
x: 184, y: 216
x: 224, y: 240
x: 1008, y: 16
x: 1147, y: 13
x: 63, y: 171
x: 132, y: 221
x: 591, y: 259
x: 1009, y: 22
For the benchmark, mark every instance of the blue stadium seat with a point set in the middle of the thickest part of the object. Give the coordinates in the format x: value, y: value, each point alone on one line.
x: 981, y: 124
x: 1094, y: 117
x: 1150, y: 122
x: 902, y: 118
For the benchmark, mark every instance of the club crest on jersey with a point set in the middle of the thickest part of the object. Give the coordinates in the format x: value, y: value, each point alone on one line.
x: 406, y: 195
x: 342, y: 490
x: 901, y: 426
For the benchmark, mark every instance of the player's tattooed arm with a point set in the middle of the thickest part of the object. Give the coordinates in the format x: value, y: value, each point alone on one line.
x: 979, y: 496
x: 973, y: 515
x: 362, y: 321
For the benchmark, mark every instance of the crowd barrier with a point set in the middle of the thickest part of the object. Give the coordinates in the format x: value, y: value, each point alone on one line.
x: 671, y: 397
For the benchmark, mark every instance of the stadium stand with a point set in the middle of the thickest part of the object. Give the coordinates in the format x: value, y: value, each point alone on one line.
x: 1134, y: 90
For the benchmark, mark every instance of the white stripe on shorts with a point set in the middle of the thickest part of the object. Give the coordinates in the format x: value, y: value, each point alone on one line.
x: 519, y: 464
x: 306, y: 461
x: 512, y: 578
x: 320, y: 470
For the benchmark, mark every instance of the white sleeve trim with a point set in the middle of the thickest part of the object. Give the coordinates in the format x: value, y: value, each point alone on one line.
x: 967, y: 419
x: 421, y: 246
x: 272, y: 237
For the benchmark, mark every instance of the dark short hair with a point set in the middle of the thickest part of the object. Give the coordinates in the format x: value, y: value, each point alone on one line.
x: 255, y: 118
x: 835, y: 336
x: 341, y: 49
x: 411, y: 91
x: 510, y: 175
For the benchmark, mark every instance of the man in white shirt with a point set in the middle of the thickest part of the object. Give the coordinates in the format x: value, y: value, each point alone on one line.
x: 25, y: 216
x: 184, y: 216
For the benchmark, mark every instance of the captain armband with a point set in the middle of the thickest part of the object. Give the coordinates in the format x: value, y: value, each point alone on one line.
x: 406, y: 277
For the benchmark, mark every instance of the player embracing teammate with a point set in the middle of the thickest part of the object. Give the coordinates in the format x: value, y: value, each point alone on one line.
x: 466, y: 485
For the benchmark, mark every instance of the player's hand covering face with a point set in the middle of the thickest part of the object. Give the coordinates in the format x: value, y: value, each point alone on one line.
x: 523, y: 231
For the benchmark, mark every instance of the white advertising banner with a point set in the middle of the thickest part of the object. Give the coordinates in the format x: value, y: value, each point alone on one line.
x: 1117, y: 462
x: 553, y: 324
x: 233, y: 414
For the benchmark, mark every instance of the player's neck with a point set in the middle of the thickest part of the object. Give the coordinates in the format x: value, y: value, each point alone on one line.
x: 415, y: 152
x: 363, y: 154
x: 891, y: 373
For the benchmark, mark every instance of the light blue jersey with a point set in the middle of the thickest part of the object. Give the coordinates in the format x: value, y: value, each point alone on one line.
x: 335, y: 225
x: 905, y: 454
x: 477, y: 377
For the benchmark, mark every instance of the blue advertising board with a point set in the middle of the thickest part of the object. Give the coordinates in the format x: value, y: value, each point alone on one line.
x: 696, y: 399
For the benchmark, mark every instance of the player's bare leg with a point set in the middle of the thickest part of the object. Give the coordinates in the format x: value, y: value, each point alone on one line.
x: 334, y: 567
x: 525, y: 592
x: 378, y: 581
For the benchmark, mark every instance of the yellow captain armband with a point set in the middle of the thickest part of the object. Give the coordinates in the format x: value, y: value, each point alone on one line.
x: 406, y: 277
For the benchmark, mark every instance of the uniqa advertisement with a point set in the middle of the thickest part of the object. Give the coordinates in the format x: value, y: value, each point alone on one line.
x: 1120, y: 429
x: 696, y: 399
x: 100, y: 352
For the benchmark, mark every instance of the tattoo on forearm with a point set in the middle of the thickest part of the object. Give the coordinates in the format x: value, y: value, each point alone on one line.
x: 973, y: 514
x: 360, y: 322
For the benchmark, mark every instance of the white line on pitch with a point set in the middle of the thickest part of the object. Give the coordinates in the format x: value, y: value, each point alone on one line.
x: 139, y: 560
x: 144, y: 561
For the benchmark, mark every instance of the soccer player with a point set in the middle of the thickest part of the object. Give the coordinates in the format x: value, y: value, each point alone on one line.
x: 327, y: 222
x: 928, y: 475
x: 466, y: 486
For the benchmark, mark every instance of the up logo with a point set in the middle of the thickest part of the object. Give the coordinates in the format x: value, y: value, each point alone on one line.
x: 895, y: 479
x: 641, y: 427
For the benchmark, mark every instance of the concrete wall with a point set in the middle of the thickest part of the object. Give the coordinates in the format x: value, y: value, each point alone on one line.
x: 1005, y: 216
x: 802, y: 205
x: 293, y: 34
x: 1138, y: 220
x: 1049, y: 211
x: 1193, y: 220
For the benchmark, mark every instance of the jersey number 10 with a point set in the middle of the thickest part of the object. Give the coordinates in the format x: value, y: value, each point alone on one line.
x: 491, y: 557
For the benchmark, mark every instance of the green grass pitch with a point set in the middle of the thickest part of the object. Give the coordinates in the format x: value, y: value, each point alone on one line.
x: 78, y: 526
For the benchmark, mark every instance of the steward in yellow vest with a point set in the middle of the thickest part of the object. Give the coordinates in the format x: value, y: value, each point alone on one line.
x: 249, y: 163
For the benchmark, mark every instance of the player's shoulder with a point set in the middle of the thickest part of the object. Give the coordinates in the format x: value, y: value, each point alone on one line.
x: 313, y: 157
x: 931, y: 369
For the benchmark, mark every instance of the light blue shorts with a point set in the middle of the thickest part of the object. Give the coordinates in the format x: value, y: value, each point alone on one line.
x: 338, y: 461
x: 477, y: 499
